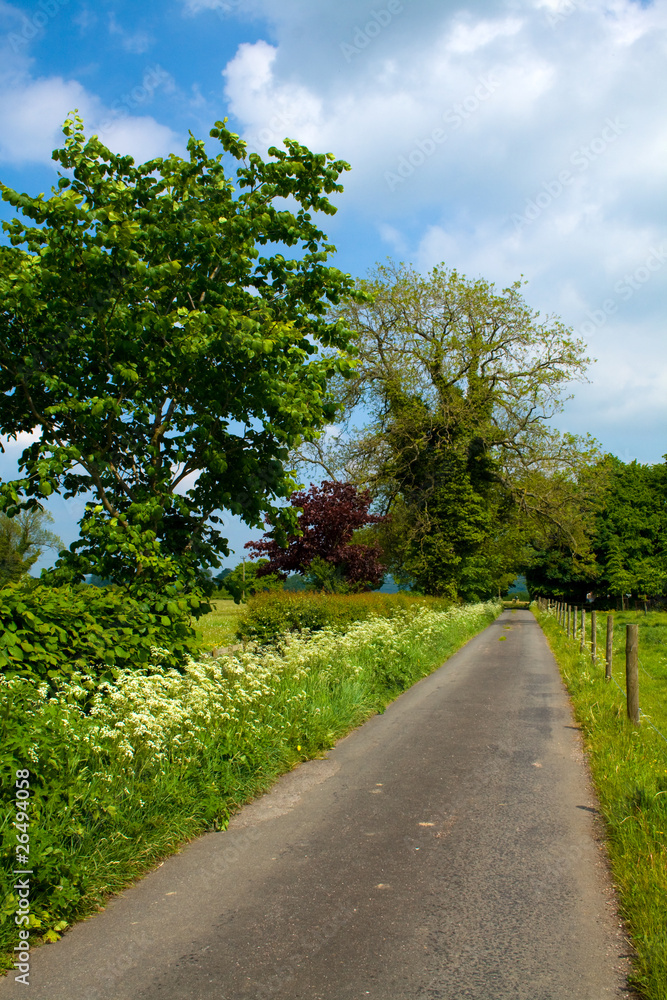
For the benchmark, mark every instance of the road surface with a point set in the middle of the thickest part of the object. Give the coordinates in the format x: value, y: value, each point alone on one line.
x: 447, y: 849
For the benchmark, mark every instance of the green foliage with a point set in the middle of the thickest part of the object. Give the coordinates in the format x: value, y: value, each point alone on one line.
x: 629, y: 767
x: 631, y: 530
x: 51, y: 633
x: 459, y: 380
x: 243, y: 581
x: 268, y: 616
x: 22, y: 539
x: 622, y: 548
x: 327, y: 578
x: 168, y: 355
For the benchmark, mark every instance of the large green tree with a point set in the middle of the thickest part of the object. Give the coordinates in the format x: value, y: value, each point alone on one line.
x: 631, y: 531
x: 456, y: 383
x: 168, y: 352
x: 624, y: 548
x: 23, y: 538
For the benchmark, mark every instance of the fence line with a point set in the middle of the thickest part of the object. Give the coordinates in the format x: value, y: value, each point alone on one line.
x: 652, y: 726
x: 564, y: 614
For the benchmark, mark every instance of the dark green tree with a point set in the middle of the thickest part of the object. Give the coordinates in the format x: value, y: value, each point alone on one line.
x: 243, y: 580
x: 631, y: 531
x: 169, y: 352
x: 621, y: 547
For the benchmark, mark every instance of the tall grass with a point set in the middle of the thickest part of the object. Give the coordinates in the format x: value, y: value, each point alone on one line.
x: 268, y: 615
x: 123, y: 775
x: 218, y: 628
x: 629, y: 767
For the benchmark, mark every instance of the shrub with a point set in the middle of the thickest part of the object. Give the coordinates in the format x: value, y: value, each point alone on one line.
x: 268, y: 616
x: 49, y: 633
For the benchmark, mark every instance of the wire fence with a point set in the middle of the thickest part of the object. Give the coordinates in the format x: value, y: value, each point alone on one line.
x: 573, y: 620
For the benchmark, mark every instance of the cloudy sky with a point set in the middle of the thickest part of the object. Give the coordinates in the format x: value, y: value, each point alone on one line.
x: 501, y: 138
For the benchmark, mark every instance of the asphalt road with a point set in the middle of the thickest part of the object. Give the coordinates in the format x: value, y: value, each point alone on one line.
x: 447, y: 849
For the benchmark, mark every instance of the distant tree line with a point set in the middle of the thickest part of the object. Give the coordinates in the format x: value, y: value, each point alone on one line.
x: 623, y: 552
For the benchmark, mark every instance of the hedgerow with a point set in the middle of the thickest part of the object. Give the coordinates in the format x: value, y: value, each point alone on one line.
x: 267, y: 616
x: 52, y: 633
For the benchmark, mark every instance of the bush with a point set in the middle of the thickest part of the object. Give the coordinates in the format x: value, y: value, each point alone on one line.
x: 49, y: 633
x: 268, y: 616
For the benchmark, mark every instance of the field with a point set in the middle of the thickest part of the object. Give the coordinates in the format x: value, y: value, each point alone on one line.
x: 219, y: 627
x: 629, y: 767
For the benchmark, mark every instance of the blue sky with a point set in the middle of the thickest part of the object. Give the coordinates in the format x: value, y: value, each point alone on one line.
x: 503, y: 139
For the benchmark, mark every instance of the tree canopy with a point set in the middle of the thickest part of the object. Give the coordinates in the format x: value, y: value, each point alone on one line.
x: 456, y: 383
x: 166, y: 350
x: 243, y: 581
x: 625, y: 550
x: 22, y: 540
x: 325, y: 548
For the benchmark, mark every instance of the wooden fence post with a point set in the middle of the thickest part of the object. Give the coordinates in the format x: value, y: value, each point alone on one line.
x: 568, y: 621
x: 632, y: 671
x: 582, y: 641
x: 575, y: 613
x: 594, y: 637
x: 609, y: 652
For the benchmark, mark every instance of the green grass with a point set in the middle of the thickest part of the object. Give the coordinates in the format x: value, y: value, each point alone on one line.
x: 108, y: 803
x: 629, y: 766
x: 268, y: 616
x: 219, y: 627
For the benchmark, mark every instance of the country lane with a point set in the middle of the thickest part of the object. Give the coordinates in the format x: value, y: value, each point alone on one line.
x: 447, y: 849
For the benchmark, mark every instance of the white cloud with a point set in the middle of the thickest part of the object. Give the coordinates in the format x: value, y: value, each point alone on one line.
x: 393, y: 236
x: 22, y: 440
x: 31, y: 117
x: 143, y: 138
x: 32, y: 114
x: 272, y: 112
x: 466, y: 38
x: 136, y: 42
x: 33, y: 109
x: 458, y: 123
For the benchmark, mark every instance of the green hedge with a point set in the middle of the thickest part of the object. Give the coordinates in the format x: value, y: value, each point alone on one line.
x: 50, y: 632
x: 267, y: 616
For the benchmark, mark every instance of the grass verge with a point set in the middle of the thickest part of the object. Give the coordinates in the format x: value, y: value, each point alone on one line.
x: 120, y: 779
x: 629, y: 767
x: 218, y: 628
